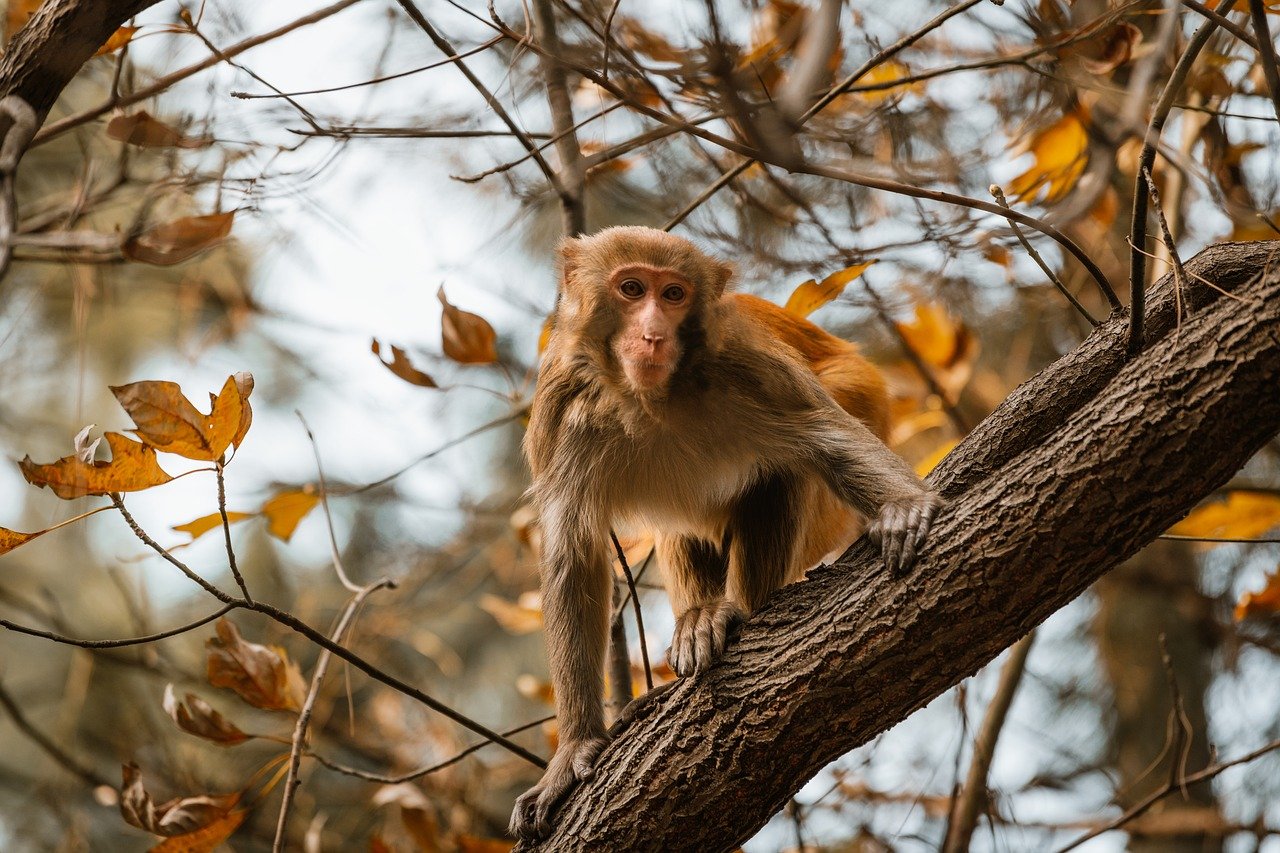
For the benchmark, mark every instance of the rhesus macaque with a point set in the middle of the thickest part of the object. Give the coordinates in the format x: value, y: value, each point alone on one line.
x: 750, y: 441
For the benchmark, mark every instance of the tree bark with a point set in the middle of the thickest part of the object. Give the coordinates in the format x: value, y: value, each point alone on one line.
x: 1077, y: 470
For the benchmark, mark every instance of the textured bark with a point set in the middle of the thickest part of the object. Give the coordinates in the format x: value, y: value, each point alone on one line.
x: 1076, y: 471
x: 44, y: 55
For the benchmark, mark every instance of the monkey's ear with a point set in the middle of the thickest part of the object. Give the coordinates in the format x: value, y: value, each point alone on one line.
x: 569, y: 253
x: 721, y: 275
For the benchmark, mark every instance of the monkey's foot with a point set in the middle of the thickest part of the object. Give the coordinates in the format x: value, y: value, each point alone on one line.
x: 573, y: 762
x: 901, y: 528
x: 702, y: 634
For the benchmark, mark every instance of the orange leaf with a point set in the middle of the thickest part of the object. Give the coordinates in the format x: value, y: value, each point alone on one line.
x: 206, y: 839
x: 118, y: 39
x: 887, y: 72
x: 476, y: 844
x: 468, y: 338
x: 133, y: 467
x: 934, y: 336
x: 402, y: 367
x: 812, y: 295
x: 1061, y: 154
x: 197, y: 717
x: 205, y: 523
x: 263, y: 676
x: 1261, y: 603
x: 145, y: 131
x: 179, y: 816
x: 167, y: 421
x: 20, y: 11
x: 176, y: 241
x: 523, y: 616
x: 1243, y: 515
x: 10, y: 539
x: 286, y: 510
x: 377, y: 845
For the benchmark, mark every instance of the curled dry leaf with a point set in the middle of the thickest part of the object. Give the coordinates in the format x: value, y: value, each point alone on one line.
x: 146, y: 131
x: 205, y: 523
x: 166, y: 420
x: 468, y: 338
x: 1243, y: 515
x: 1061, y: 152
x: 206, y: 839
x: 85, y: 449
x: 263, y: 676
x: 286, y: 510
x: 176, y: 241
x: 1263, y: 603
x: 119, y: 39
x: 196, y: 716
x: 812, y: 295
x: 402, y: 367
x: 1117, y: 46
x: 176, y: 817
x: 133, y: 467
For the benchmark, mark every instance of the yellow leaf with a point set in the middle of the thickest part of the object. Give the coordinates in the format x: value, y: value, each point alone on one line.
x: 933, y: 335
x: 118, y: 39
x: 887, y: 72
x: 286, y: 509
x: 145, y: 131
x: 1243, y: 515
x: 133, y: 467
x: 927, y: 464
x: 10, y: 539
x: 402, y: 367
x: 1246, y: 231
x: 166, y: 420
x: 521, y: 617
x: 468, y: 338
x: 263, y: 676
x: 206, y: 839
x: 176, y: 241
x: 205, y: 523
x: 1061, y: 154
x: 810, y: 295
x: 1261, y: 603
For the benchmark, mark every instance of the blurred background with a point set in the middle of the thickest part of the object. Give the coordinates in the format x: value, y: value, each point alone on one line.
x: 297, y: 207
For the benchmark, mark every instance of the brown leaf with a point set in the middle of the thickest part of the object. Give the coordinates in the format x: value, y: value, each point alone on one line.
x: 286, y: 509
x: 10, y: 539
x: 415, y: 813
x: 809, y: 296
x: 263, y: 676
x: 1117, y: 46
x: 176, y: 241
x: 166, y: 420
x: 377, y: 845
x: 196, y: 716
x: 402, y: 367
x: 206, y: 839
x: 118, y: 39
x: 205, y: 523
x: 1061, y: 154
x: 146, y: 131
x: 1263, y: 603
x: 133, y: 467
x: 179, y: 816
x: 468, y: 338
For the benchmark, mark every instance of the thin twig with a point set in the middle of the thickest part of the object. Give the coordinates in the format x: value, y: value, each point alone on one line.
x: 115, y: 644
x: 1261, y: 540
x: 1180, y: 283
x: 635, y: 603
x: 226, y: 532
x: 572, y: 177
x: 164, y: 552
x: 1223, y: 21
x: 1040, y: 262
x: 1266, y: 51
x: 328, y: 516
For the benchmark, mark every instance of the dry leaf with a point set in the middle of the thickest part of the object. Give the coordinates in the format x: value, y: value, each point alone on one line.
x: 1243, y: 515
x: 263, y: 676
x: 86, y: 450
x: 176, y: 241
x: 133, y: 467
x: 521, y: 617
x: 934, y: 336
x: 633, y: 34
x: 118, y: 39
x: 468, y: 338
x: 196, y: 716
x: 1061, y: 155
x: 377, y: 845
x: 166, y: 420
x: 887, y: 72
x: 811, y: 295
x: 205, y: 523
x: 179, y: 816
x: 10, y: 539
x: 146, y: 131
x: 1263, y: 603
x: 206, y: 839
x: 415, y: 813
x: 402, y: 367
x: 286, y: 510
x: 1117, y: 48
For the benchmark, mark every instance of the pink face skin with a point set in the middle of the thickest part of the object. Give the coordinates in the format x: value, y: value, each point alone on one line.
x: 653, y: 302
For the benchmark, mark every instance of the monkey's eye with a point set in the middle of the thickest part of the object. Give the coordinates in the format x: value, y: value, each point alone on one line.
x: 631, y: 289
x: 673, y: 293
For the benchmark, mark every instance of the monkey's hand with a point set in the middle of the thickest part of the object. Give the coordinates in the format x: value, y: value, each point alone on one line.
x: 701, y: 635
x: 901, y: 528
x: 573, y: 762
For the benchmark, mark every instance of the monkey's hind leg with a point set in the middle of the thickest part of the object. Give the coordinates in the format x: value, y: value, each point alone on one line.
x: 696, y: 571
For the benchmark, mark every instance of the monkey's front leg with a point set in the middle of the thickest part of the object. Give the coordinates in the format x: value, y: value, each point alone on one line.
x: 575, y: 608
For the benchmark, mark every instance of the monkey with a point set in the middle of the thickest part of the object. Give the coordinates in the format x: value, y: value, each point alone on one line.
x: 750, y: 441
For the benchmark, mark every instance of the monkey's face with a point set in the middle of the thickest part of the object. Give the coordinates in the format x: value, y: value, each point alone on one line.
x: 652, y: 302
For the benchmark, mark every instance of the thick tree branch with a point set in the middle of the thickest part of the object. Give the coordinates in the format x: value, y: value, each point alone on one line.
x: 1112, y: 454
